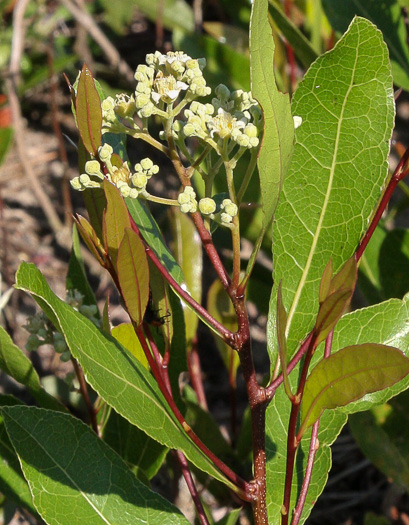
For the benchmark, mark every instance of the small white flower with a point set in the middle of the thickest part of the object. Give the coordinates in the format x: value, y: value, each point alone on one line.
x: 167, y: 88
x: 224, y: 124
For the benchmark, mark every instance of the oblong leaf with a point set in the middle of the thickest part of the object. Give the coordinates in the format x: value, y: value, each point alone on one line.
x: 330, y: 312
x: 75, y: 478
x: 88, y: 111
x: 277, y: 145
x: 336, y: 176
x: 348, y: 375
x: 119, y: 378
x: 133, y: 275
x: 116, y: 219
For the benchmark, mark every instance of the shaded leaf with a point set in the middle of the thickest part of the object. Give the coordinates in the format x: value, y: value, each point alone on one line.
x: 133, y: 275
x: 277, y: 145
x: 301, y: 45
x: 116, y: 219
x: 188, y: 253
x: 83, y: 481
x: 338, y: 169
x: 330, y: 312
x: 387, y: 16
x: 17, y: 365
x: 348, y: 375
x: 134, y: 446
x: 221, y: 308
x: 12, y: 482
x: 76, y: 276
x: 88, y: 112
x: 91, y: 239
x: 113, y: 373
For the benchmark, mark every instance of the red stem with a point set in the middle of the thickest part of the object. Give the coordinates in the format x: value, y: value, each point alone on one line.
x: 195, y: 372
x: 225, y: 334
x: 243, y: 488
x: 399, y: 174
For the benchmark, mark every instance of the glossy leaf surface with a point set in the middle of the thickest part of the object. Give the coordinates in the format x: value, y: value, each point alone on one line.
x: 116, y: 375
x: 133, y: 275
x: 338, y: 169
x: 88, y: 111
x: 277, y: 145
x: 348, y: 375
x: 75, y: 478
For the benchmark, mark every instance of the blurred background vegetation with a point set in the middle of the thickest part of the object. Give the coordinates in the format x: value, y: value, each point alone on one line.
x: 43, y: 44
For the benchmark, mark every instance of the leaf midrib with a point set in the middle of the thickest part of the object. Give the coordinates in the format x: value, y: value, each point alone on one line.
x: 314, y: 243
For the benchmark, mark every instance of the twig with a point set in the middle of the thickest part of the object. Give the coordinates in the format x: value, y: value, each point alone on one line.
x: 192, y: 487
x: 92, y: 28
x: 84, y: 392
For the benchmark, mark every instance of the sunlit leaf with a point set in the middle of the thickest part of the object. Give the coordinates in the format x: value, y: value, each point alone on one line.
x: 339, y: 167
x: 277, y: 145
x: 348, y: 375
x: 133, y: 275
x: 75, y: 478
x: 88, y: 111
x: 125, y: 334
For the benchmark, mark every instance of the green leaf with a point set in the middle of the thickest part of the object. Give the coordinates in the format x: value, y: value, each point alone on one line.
x: 125, y: 334
x: 91, y: 239
x: 301, y: 45
x: 113, y: 373
x: 75, y: 478
x: 385, y: 323
x: 277, y: 145
x: 153, y: 236
x: 188, y: 253
x: 348, y: 375
x: 76, y: 276
x: 387, y: 16
x: 330, y: 312
x: 116, y: 219
x: 15, y: 364
x: 230, y: 518
x: 88, y: 111
x: 382, y: 434
x: 174, y: 13
x: 220, y: 307
x: 133, y: 445
x: 133, y: 275
x: 6, y: 140
x: 383, y: 269
x: 12, y: 482
x: 338, y: 169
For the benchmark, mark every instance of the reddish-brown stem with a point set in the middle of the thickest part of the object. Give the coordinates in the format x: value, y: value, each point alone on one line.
x: 225, y: 334
x: 258, y: 406
x: 195, y: 372
x: 84, y: 392
x: 292, y: 440
x: 243, y: 488
x: 308, y: 472
x: 232, y: 385
x: 312, y: 450
x: 399, y: 174
x: 192, y: 487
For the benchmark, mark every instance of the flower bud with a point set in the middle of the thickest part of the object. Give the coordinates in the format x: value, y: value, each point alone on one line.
x: 207, y: 206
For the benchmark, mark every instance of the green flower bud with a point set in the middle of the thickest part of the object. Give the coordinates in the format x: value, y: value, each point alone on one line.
x: 76, y: 184
x: 222, y: 92
x: 207, y: 206
x: 32, y: 343
x: 146, y: 164
x: 251, y: 130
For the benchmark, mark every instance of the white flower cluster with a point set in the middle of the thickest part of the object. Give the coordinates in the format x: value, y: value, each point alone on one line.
x: 164, y: 77
x: 238, y: 118
x: 122, y: 106
x: 129, y: 184
x: 224, y: 214
x: 187, y: 200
